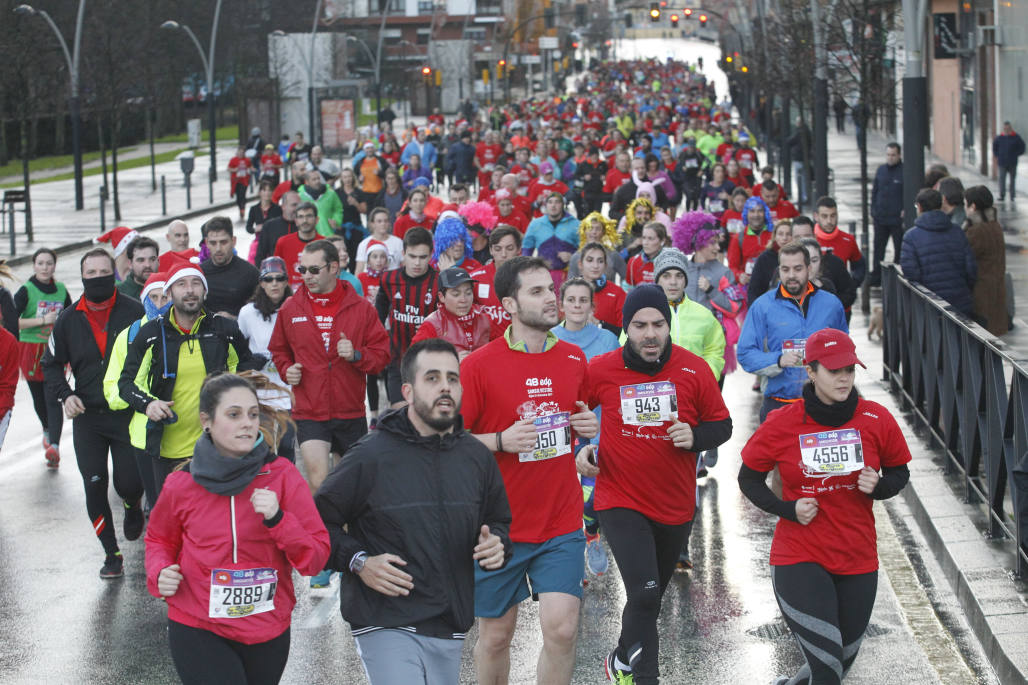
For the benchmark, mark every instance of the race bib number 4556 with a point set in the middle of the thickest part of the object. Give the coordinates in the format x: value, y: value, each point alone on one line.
x: 242, y: 592
x: 552, y: 437
x: 832, y: 452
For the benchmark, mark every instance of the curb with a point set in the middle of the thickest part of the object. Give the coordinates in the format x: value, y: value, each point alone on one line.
x: 975, y: 569
x: 71, y: 247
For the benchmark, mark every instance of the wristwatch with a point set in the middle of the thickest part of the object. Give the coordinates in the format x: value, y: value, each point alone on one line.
x: 357, y: 563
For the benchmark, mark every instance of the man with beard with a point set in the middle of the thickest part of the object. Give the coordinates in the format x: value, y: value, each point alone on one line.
x: 83, y: 337
x: 661, y: 407
x: 774, y: 336
x: 278, y: 227
x: 142, y: 254
x: 166, y: 362
x: 409, y: 604
x: 524, y: 399
x: 231, y: 279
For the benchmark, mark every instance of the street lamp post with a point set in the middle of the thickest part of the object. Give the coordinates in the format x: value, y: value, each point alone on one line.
x: 377, y: 61
x: 72, y: 58
x: 208, y: 65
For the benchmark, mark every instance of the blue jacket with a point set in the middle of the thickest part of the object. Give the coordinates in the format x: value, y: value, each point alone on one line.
x: 936, y: 254
x: 550, y: 238
x: 1008, y: 148
x: 424, y: 150
x: 773, y: 319
x: 887, y: 195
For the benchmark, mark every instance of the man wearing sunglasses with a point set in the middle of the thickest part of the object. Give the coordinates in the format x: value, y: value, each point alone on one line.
x: 327, y: 340
x: 289, y: 247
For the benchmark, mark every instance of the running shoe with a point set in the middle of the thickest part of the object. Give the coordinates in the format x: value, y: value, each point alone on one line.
x: 617, y: 675
x: 683, y: 564
x: 114, y: 566
x: 322, y: 581
x: 701, y: 472
x: 595, y: 556
x: 710, y: 458
x: 53, y: 457
x: 133, y: 523
x: 374, y: 423
x: 46, y: 440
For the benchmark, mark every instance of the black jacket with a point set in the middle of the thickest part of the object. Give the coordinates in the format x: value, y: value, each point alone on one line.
x: 162, y: 339
x: 597, y: 172
x: 887, y: 195
x: 72, y: 342
x: 273, y: 230
x: 833, y: 271
x: 425, y: 500
x: 229, y: 286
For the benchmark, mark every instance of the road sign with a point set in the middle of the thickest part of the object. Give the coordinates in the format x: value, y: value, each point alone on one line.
x: 548, y: 42
x: 531, y: 59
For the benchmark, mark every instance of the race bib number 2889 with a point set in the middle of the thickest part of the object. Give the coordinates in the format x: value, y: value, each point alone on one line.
x: 236, y: 593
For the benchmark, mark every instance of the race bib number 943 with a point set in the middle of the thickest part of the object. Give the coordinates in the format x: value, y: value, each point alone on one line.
x: 242, y: 592
x: 832, y: 452
x: 552, y: 438
x: 648, y: 404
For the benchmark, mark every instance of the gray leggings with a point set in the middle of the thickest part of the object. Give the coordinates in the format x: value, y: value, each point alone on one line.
x: 393, y: 656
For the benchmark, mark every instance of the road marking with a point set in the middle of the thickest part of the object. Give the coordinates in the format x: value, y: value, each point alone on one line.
x: 327, y: 607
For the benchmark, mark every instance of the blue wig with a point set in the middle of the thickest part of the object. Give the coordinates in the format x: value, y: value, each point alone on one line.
x: 447, y: 232
x: 756, y: 202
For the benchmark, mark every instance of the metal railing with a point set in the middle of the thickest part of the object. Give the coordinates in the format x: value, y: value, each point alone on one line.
x: 970, y: 389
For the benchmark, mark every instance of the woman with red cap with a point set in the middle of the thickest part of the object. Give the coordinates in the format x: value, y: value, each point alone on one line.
x: 836, y: 453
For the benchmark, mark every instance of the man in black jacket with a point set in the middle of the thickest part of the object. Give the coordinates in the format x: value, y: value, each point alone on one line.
x: 887, y: 210
x: 231, y: 280
x: 421, y: 500
x: 83, y: 336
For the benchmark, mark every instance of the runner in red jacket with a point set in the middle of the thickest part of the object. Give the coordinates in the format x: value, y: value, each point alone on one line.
x: 223, y: 540
x: 326, y: 340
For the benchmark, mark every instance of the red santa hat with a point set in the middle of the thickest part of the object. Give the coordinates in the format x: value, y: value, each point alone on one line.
x: 183, y: 270
x: 119, y: 238
x: 155, y: 282
x: 377, y: 245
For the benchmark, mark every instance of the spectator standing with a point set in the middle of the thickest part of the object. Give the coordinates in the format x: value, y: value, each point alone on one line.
x: 887, y: 209
x: 985, y: 235
x: 936, y: 254
x: 1007, y: 147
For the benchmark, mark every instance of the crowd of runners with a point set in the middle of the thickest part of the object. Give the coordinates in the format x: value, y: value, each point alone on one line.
x: 450, y: 376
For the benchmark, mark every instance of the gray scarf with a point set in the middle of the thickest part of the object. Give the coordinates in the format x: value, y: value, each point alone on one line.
x: 223, y: 475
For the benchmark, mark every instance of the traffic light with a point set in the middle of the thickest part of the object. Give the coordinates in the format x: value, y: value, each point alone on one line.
x: 687, y: 12
x: 426, y: 72
x: 654, y: 11
x: 703, y: 19
x: 500, y: 68
x: 549, y: 18
x: 674, y: 21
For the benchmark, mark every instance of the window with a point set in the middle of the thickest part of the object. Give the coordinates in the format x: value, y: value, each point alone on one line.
x: 426, y: 6
x: 475, y: 34
x: 423, y: 36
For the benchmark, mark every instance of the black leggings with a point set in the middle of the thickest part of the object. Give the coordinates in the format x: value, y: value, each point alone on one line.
x: 373, y: 392
x: 645, y: 552
x: 239, y: 191
x: 94, y: 436
x: 202, y: 657
x: 48, y: 409
x: 828, y: 614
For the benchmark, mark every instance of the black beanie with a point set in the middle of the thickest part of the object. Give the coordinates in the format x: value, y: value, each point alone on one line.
x: 643, y: 296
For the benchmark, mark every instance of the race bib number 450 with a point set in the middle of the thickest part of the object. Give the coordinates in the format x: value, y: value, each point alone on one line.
x: 242, y: 592
x: 832, y: 452
x: 552, y: 438
x: 648, y: 404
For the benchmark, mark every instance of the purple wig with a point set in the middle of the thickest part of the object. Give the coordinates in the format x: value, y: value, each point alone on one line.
x: 693, y: 230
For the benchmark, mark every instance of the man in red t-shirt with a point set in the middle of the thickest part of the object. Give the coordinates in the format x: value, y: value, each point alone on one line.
x: 661, y: 406
x: 523, y: 399
x: 504, y: 244
x: 746, y: 157
x: 837, y: 241
x: 291, y: 245
x: 779, y: 207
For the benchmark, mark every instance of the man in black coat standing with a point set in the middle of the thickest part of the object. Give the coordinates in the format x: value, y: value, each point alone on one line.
x: 887, y: 209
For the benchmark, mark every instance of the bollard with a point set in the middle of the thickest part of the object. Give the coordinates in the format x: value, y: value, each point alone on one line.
x: 865, y: 287
x: 210, y: 185
x: 103, y: 207
x: 189, y: 192
x: 164, y: 198
x: 10, y: 209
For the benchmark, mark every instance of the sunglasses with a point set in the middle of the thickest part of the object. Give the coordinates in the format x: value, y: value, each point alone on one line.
x: 273, y: 279
x: 313, y: 270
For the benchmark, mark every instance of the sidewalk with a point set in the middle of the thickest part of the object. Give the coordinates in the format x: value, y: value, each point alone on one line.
x: 977, y: 568
x: 56, y: 224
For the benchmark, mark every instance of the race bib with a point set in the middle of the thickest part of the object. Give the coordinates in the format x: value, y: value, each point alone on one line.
x: 648, y: 404
x: 746, y: 163
x: 734, y: 225
x: 798, y: 344
x: 750, y: 263
x: 44, y: 308
x: 242, y: 592
x: 717, y: 206
x: 832, y: 452
x: 552, y: 438
x: 691, y: 163
x: 483, y: 291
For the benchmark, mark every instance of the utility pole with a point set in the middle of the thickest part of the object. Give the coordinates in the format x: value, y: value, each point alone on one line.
x: 820, y: 103
x: 915, y: 109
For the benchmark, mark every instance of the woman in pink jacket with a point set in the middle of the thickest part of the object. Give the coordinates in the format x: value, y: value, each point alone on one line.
x: 223, y: 539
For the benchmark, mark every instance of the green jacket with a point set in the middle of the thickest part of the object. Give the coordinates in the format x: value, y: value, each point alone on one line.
x: 137, y: 426
x: 694, y: 327
x: 329, y: 207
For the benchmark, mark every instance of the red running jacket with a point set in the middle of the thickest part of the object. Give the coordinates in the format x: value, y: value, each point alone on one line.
x: 330, y: 387
x: 201, y: 531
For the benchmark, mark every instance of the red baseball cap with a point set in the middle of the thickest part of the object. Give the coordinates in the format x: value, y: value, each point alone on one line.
x: 832, y: 349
